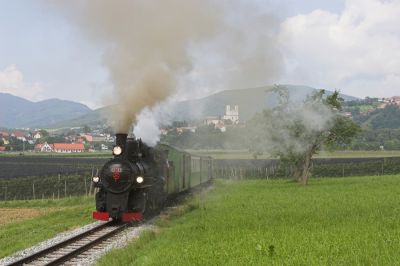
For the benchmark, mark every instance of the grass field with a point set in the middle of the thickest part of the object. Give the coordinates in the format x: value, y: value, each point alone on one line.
x: 348, y: 221
x: 25, y: 223
x: 244, y: 154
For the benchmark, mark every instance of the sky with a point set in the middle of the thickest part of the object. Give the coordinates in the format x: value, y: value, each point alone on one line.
x: 350, y: 45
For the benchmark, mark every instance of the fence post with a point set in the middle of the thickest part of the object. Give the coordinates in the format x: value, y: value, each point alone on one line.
x: 65, y: 188
x: 58, y: 186
x: 90, y: 188
x: 33, y: 190
x: 86, y: 192
x: 5, y: 192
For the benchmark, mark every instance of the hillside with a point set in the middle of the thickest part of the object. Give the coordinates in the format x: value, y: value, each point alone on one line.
x: 19, y: 112
x: 250, y: 102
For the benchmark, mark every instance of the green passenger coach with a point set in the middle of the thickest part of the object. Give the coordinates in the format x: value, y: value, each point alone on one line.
x: 185, y: 170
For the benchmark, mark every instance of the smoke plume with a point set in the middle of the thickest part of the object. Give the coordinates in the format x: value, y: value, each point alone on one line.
x: 145, y: 46
x: 156, y: 49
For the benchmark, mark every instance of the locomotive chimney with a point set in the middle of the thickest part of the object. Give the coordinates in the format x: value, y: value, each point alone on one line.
x: 121, y: 139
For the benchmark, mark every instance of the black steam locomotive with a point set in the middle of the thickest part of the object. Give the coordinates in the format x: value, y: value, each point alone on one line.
x: 137, y: 181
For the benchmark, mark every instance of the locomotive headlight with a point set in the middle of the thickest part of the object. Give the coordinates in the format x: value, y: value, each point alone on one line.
x: 139, y: 179
x: 117, y: 150
x: 96, y: 179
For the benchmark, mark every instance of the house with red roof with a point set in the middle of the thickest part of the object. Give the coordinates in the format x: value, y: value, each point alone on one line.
x: 44, y: 147
x: 19, y: 135
x: 60, y: 147
x: 69, y: 147
x: 4, y: 134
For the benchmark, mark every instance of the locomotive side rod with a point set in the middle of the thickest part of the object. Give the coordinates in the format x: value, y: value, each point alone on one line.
x: 71, y: 241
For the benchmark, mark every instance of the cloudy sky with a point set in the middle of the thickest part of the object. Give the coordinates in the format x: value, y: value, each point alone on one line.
x: 351, y: 45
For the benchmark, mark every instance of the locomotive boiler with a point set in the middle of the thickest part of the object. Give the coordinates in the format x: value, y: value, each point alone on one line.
x: 138, y: 179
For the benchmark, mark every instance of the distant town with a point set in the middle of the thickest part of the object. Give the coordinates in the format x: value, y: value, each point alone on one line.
x: 101, y: 138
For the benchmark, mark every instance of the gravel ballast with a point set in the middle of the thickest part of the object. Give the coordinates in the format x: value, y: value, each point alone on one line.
x: 89, y: 257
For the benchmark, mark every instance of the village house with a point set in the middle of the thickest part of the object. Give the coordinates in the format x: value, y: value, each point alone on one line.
x: 95, y: 137
x: 221, y: 126
x: 212, y: 120
x: 69, y: 147
x: 104, y: 147
x: 231, y: 117
x: 4, y: 134
x: 44, y: 147
x: 395, y: 100
x: 60, y: 147
x: 37, y: 135
x: 19, y: 135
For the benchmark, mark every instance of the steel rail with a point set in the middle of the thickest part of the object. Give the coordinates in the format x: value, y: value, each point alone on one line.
x: 67, y: 242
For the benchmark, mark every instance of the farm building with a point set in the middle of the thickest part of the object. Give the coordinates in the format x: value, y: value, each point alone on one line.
x: 60, y: 147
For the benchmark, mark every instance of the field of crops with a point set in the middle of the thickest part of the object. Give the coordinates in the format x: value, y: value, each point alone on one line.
x: 336, y: 221
x: 34, y: 177
x: 246, y: 155
x: 24, y: 166
x: 321, y: 167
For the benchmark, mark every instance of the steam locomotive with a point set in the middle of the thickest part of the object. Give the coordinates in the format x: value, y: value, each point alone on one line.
x: 138, y: 180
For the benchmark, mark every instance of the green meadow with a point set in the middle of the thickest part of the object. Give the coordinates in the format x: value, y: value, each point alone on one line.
x: 341, y: 221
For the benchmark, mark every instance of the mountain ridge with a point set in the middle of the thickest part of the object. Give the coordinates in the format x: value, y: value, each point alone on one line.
x: 19, y: 112
x: 250, y: 101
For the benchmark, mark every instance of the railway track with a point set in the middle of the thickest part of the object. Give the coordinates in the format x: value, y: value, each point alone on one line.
x: 71, y: 248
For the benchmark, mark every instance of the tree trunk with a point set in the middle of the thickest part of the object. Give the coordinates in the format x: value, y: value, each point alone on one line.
x: 307, y: 165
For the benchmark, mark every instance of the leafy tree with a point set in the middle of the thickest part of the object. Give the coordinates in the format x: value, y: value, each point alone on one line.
x: 296, y: 132
x: 44, y: 133
x: 86, y: 129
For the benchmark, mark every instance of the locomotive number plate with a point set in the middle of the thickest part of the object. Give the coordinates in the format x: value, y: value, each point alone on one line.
x: 116, y: 173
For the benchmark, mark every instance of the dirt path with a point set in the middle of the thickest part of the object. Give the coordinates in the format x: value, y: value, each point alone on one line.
x: 8, y: 215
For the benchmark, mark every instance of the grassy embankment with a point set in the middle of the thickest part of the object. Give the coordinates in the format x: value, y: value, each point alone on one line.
x: 25, y: 223
x: 351, y: 221
x: 244, y: 154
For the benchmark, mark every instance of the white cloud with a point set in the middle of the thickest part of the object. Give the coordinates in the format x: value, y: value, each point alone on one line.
x: 357, y: 51
x: 12, y: 81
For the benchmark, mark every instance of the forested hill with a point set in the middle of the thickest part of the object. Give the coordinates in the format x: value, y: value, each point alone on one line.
x: 388, y: 117
x: 372, y: 115
x: 380, y: 123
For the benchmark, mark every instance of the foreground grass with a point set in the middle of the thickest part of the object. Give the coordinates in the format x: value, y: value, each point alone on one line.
x: 352, y: 221
x: 62, y: 215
